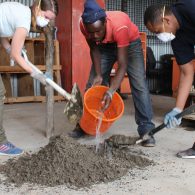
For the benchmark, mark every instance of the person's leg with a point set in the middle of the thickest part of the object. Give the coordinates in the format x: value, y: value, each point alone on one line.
x: 3, y: 138
x: 6, y: 148
x: 140, y: 92
x: 108, y: 58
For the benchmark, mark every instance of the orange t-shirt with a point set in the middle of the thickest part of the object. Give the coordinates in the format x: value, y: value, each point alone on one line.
x: 119, y: 29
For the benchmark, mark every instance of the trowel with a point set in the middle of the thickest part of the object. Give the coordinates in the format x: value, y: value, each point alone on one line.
x: 74, y: 106
x: 187, y: 111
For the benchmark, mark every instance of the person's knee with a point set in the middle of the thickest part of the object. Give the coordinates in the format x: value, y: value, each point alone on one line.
x: 139, y: 84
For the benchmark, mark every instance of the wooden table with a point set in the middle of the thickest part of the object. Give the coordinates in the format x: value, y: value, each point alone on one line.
x: 175, y: 83
x: 175, y: 76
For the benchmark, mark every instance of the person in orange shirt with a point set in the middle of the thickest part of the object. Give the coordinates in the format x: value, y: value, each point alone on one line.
x: 112, y: 37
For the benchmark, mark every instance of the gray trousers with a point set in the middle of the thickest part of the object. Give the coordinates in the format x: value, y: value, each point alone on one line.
x: 3, y: 138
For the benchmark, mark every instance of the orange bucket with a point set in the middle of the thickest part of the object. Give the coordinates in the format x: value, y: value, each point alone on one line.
x: 92, y: 105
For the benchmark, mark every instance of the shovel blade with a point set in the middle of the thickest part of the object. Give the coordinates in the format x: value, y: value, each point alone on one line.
x: 74, y: 107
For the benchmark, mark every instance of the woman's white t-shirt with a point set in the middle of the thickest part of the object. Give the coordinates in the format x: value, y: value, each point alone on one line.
x: 12, y: 16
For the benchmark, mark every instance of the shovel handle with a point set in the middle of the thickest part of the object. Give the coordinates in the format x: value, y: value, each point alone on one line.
x: 187, y: 111
x: 48, y: 80
x: 58, y: 89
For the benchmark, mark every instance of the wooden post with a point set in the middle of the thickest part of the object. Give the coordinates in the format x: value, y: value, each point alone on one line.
x: 49, y: 69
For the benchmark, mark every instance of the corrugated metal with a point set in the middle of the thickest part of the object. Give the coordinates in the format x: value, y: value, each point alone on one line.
x: 25, y: 2
x: 113, y: 4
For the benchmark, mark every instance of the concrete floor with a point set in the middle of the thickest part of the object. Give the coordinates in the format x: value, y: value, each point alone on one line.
x: 27, y: 120
x: 25, y: 127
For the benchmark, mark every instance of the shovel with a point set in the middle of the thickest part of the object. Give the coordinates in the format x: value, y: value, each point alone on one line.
x: 187, y: 111
x: 74, y: 107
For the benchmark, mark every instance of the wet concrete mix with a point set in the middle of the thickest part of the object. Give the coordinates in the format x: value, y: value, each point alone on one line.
x: 65, y: 161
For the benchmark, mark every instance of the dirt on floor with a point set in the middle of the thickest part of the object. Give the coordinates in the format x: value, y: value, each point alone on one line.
x: 65, y: 161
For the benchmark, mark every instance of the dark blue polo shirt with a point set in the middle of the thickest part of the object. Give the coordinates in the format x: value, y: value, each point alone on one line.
x: 183, y: 44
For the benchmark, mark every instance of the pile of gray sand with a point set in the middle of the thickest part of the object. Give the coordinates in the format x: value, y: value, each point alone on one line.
x: 65, y: 161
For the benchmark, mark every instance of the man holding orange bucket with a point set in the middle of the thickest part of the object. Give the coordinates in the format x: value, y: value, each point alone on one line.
x: 112, y: 37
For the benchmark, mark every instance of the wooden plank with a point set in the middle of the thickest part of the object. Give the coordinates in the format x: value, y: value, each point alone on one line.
x: 49, y: 55
x: 56, y: 52
x: 7, y: 84
x: 4, y: 59
x: 40, y: 39
x: 176, y: 76
x: 9, y: 100
x: 18, y: 69
x: 25, y: 83
x: 57, y: 75
x: 39, y: 52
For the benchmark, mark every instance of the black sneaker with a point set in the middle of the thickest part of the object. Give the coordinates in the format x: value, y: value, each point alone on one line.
x: 187, y: 154
x: 124, y: 96
x: 77, y: 132
x: 149, y: 142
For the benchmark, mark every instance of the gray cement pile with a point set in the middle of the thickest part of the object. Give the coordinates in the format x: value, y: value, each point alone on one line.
x: 65, y: 161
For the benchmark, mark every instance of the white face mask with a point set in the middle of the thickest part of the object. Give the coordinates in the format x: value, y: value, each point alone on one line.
x: 42, y: 21
x: 165, y: 36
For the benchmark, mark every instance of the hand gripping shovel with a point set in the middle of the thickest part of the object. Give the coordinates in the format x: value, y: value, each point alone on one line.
x: 187, y: 111
x: 74, y: 107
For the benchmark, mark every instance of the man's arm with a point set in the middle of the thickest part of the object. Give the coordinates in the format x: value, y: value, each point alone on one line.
x: 96, y: 60
x: 115, y: 84
x: 185, y: 84
x: 122, y: 67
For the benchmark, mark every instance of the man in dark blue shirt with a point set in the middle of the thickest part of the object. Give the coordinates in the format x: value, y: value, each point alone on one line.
x: 176, y: 23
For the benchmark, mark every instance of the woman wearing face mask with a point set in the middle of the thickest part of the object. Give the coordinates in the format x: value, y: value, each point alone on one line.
x: 15, y: 21
x: 176, y: 24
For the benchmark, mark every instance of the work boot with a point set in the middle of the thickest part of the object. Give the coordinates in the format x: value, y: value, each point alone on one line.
x: 187, y: 154
x: 149, y: 142
x: 77, y: 132
x: 124, y: 96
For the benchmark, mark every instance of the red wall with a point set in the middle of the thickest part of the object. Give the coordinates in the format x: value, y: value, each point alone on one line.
x: 74, y: 52
x: 64, y: 35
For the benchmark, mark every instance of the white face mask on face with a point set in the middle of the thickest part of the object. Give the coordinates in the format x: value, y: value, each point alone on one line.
x: 42, y: 21
x: 165, y: 36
